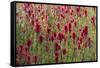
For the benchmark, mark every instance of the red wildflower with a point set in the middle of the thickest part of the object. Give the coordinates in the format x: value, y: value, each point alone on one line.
x: 64, y: 51
x: 73, y: 35
x: 26, y: 6
x: 60, y: 36
x: 24, y: 50
x: 93, y: 20
x: 78, y: 46
x: 52, y: 37
x: 48, y: 30
x: 40, y: 38
x: 65, y: 28
x: 85, y: 12
x: 71, y: 11
x: 56, y: 59
x: 86, y: 30
x: 78, y: 9
x: 58, y: 25
x: 47, y: 18
x: 37, y: 28
x: 55, y: 34
x: 29, y: 42
x: 29, y: 59
x: 46, y: 48
x: 33, y: 23
x: 29, y: 13
x: 56, y: 56
x: 68, y: 26
x: 56, y: 53
x: 57, y: 46
x: 80, y: 39
x: 35, y: 59
x: 61, y: 16
x: 64, y: 9
x: 75, y: 23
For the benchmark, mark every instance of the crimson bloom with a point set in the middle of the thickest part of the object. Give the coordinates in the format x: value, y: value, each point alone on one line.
x: 71, y: 11
x: 85, y: 13
x: 73, y: 35
x: 78, y: 46
x: 56, y: 56
x: 65, y: 28
x: 78, y: 9
x: 58, y: 25
x: 46, y: 48
x: 24, y: 50
x: 69, y: 26
x: 53, y: 36
x: 48, y: 30
x: 29, y: 59
x: 29, y: 42
x: 80, y: 39
x: 40, y: 38
x: 35, y: 59
x: 64, y: 9
x: 64, y: 51
x: 60, y: 36
x: 37, y: 26
x: 61, y: 16
x: 86, y: 30
x: 75, y: 23
x: 33, y: 23
x: 93, y: 20
x: 57, y: 46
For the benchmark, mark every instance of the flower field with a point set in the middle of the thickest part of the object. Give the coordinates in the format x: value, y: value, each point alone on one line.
x: 48, y: 33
